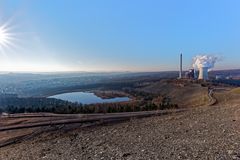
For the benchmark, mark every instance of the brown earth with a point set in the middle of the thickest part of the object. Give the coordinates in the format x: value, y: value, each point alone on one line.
x: 206, y: 132
x: 110, y: 94
x: 183, y: 93
x: 202, y: 133
x: 17, y: 127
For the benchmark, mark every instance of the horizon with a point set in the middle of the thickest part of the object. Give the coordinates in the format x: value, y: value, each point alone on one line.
x: 104, y: 72
x: 136, y: 36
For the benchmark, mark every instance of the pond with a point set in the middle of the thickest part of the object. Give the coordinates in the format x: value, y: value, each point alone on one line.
x: 87, y: 98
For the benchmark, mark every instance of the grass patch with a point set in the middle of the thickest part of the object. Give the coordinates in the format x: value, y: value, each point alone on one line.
x: 236, y: 90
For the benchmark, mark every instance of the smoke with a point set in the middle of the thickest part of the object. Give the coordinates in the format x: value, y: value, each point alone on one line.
x: 206, y: 61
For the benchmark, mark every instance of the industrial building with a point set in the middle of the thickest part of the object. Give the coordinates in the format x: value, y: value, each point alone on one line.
x: 192, y: 73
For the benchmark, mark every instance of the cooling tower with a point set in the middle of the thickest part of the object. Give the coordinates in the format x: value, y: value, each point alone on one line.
x: 203, y: 73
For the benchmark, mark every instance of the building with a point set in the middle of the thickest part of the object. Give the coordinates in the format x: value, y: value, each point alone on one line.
x: 190, y: 74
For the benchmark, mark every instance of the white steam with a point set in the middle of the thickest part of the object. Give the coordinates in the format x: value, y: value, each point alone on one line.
x: 205, y: 61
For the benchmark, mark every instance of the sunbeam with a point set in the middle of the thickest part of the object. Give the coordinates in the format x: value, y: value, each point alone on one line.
x: 7, y: 39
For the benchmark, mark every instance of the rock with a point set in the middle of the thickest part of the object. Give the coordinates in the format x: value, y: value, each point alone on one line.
x: 126, y: 154
x: 230, y: 152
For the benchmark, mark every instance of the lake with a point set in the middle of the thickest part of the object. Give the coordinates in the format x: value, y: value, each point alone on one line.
x: 87, y: 98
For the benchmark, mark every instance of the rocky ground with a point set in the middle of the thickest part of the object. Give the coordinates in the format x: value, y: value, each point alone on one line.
x: 211, y: 132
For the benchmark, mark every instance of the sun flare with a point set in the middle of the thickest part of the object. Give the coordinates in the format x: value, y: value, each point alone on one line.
x: 6, y: 39
x: 3, y: 36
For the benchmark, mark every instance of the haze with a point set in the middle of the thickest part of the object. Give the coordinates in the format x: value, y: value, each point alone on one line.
x: 61, y: 35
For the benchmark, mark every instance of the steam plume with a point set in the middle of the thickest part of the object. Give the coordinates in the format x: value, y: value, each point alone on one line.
x: 204, y: 61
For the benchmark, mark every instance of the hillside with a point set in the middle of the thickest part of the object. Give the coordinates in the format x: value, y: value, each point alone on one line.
x: 198, y: 131
x: 205, y: 132
x: 184, y: 93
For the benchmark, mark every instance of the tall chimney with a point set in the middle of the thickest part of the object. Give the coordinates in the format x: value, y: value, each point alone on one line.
x: 180, y: 71
x: 203, y: 73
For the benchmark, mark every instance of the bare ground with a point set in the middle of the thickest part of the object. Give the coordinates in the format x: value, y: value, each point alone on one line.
x: 211, y: 132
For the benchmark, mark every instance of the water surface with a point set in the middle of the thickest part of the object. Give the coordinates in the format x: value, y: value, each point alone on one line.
x: 87, y: 98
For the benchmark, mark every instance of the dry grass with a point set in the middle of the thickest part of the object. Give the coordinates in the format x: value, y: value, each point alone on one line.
x: 236, y: 90
x: 228, y: 97
x: 185, y: 95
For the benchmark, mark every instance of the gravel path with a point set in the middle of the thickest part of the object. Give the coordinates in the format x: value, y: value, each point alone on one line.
x: 211, y: 132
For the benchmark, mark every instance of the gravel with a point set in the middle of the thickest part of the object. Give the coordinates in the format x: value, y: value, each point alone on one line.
x: 202, y: 133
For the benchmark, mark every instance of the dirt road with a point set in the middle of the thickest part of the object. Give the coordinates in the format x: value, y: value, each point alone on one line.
x: 17, y: 127
x: 211, y: 132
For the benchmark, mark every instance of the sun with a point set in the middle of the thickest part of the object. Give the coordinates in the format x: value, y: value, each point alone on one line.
x: 6, y: 39
x: 5, y: 36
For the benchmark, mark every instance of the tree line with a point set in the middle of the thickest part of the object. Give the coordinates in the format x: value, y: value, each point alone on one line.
x: 33, y: 105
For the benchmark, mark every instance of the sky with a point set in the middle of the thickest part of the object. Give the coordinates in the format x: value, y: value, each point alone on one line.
x: 124, y: 35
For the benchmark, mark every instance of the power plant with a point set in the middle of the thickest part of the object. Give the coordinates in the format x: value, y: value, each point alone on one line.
x: 203, y: 73
x: 190, y: 74
x: 202, y: 64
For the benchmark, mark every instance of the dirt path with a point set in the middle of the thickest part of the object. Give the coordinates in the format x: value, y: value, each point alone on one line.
x: 203, y: 133
x: 213, y: 100
x: 23, y: 126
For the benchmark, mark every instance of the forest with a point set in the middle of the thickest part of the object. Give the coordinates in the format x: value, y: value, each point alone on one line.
x: 142, y: 102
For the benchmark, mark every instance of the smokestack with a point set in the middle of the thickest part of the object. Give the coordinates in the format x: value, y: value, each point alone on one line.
x: 180, y: 71
x: 203, y: 73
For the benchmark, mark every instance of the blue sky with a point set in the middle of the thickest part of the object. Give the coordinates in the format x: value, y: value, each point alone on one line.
x: 124, y: 35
